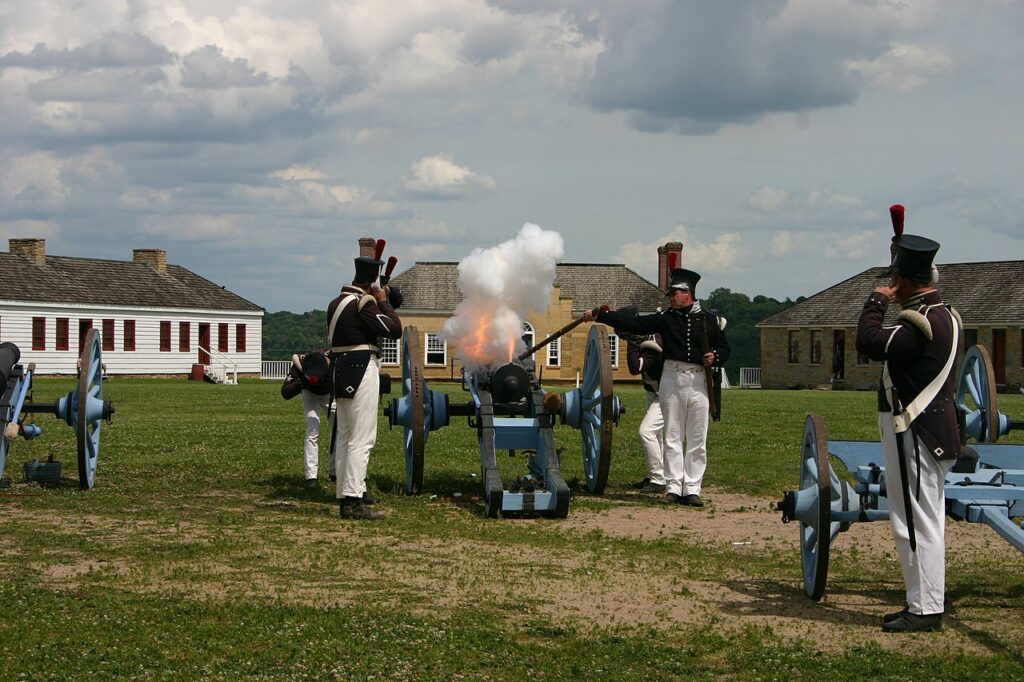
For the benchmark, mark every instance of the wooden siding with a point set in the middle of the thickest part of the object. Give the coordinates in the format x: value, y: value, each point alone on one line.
x: 147, y: 358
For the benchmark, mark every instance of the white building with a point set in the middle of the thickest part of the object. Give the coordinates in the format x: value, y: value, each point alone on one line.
x: 154, y: 318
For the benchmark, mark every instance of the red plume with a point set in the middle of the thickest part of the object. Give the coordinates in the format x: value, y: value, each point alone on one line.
x: 896, y: 213
x: 605, y: 308
x: 378, y: 251
x: 671, y: 261
x: 392, y: 262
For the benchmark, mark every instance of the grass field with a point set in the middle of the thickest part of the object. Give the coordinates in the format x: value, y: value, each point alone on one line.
x: 199, y: 554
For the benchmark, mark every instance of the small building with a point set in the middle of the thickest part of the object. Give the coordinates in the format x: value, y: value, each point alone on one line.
x: 798, y: 344
x: 431, y: 293
x: 154, y: 318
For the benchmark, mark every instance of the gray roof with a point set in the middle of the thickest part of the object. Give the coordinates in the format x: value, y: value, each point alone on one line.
x: 434, y: 287
x: 983, y: 293
x: 109, y: 282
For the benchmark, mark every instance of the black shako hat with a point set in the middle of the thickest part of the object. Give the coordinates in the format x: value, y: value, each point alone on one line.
x: 913, y: 257
x: 367, y: 269
x: 681, y: 278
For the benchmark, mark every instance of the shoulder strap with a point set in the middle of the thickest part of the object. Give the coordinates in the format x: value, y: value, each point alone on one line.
x: 902, y: 421
x: 337, y: 314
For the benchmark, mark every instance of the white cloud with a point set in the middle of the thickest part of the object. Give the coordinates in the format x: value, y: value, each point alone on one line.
x: 191, y: 227
x: 854, y: 246
x: 768, y: 198
x: 298, y: 173
x: 438, y: 177
x: 905, y: 67
x: 782, y: 243
x: 720, y: 255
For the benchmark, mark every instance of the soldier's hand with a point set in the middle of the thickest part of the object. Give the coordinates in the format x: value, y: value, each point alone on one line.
x: 378, y: 293
x: 709, y: 359
x: 886, y: 291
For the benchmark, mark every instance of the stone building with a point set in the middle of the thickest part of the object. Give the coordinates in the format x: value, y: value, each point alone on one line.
x: 431, y: 295
x: 798, y: 344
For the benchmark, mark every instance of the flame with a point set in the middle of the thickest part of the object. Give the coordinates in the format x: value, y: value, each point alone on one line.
x: 485, y: 334
x: 511, y: 349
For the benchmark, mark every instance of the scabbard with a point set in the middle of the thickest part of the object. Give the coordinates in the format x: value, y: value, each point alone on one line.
x: 901, y: 455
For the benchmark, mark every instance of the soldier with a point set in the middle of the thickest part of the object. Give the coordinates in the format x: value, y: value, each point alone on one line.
x: 643, y: 356
x: 357, y: 318
x: 917, y: 421
x: 310, y: 374
x: 694, y: 345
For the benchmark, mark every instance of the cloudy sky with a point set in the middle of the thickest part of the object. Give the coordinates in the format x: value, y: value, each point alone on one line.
x: 257, y: 141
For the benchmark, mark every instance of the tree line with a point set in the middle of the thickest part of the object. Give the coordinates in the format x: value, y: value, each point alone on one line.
x: 285, y: 333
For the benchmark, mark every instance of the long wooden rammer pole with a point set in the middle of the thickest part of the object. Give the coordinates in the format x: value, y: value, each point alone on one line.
x: 561, y: 332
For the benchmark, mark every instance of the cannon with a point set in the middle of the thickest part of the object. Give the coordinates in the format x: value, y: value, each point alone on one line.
x: 509, y: 410
x: 986, y: 485
x: 83, y: 408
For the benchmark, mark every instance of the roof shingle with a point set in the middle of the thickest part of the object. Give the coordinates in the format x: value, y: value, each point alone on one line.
x: 434, y: 287
x: 983, y: 293
x: 107, y: 282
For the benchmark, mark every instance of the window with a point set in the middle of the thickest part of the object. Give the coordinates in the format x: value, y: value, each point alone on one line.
x: 165, y: 336
x: 555, y: 353
x: 108, y: 335
x: 38, y: 333
x: 222, y: 337
x: 613, y: 343
x: 239, y: 338
x: 62, y: 333
x: 528, y: 334
x: 128, y: 334
x: 184, y: 337
x: 389, y: 351
x: 815, y: 346
x: 437, y: 350
x: 794, y: 346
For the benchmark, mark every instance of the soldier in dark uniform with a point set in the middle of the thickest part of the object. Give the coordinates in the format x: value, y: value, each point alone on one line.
x: 643, y: 357
x: 686, y: 331
x: 917, y: 420
x: 356, y: 319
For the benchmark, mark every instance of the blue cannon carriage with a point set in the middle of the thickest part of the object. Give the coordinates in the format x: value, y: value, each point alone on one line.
x: 986, y: 485
x: 83, y: 408
x: 510, y: 410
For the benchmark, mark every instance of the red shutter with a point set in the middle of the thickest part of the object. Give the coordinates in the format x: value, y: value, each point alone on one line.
x: 129, y: 334
x: 239, y: 338
x: 184, y: 337
x: 62, y: 333
x: 165, y: 336
x: 222, y: 337
x: 108, y: 335
x: 38, y: 333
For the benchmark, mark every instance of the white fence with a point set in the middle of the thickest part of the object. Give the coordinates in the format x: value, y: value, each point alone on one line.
x: 750, y: 377
x: 274, y: 369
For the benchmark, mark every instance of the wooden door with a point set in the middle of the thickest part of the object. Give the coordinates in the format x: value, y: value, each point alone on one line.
x: 204, y: 344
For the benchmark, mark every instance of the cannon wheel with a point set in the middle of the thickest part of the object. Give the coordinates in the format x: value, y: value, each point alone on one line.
x: 816, y: 538
x: 90, y: 389
x: 597, y: 404
x: 413, y: 387
x: 977, y: 387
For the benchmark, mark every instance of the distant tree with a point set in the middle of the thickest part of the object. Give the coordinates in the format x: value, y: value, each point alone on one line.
x: 742, y: 314
x: 285, y: 333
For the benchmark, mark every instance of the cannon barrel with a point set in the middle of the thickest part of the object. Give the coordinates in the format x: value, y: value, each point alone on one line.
x: 9, y: 356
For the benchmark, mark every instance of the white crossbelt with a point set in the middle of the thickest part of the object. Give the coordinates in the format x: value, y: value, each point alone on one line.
x: 358, y: 346
x: 902, y: 421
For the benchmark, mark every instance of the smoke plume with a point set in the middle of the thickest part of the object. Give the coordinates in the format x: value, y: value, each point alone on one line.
x: 500, y: 286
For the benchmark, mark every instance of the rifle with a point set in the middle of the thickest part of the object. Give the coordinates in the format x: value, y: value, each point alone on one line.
x: 709, y: 380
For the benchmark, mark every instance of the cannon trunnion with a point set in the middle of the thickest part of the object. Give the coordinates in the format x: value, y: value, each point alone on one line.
x: 510, y: 411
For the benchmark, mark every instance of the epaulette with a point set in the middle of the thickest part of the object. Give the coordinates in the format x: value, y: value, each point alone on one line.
x: 956, y: 314
x: 367, y: 299
x: 918, y: 321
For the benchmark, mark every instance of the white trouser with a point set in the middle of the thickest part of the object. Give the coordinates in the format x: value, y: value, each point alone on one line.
x: 312, y: 405
x: 684, y: 404
x: 652, y: 437
x: 924, y: 571
x: 357, y: 433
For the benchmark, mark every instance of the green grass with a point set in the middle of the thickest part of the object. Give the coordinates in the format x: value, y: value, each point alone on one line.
x: 199, y: 554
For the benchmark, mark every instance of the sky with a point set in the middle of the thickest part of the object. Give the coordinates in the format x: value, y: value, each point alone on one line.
x: 256, y: 142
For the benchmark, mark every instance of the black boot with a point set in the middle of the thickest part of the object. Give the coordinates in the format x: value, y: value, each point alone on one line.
x: 355, y: 508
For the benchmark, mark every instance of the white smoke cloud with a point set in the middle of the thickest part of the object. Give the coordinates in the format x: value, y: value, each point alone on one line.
x: 500, y: 285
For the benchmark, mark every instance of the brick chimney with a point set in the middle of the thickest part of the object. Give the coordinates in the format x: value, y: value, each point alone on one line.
x: 33, y: 249
x: 367, y: 245
x: 154, y: 258
x: 663, y: 269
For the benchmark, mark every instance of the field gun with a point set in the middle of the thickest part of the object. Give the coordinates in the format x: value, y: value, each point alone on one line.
x: 510, y: 410
x: 83, y: 409
x: 986, y: 485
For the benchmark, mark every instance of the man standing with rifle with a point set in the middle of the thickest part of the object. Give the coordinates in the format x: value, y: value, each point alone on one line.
x: 917, y: 419
x: 693, y: 344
